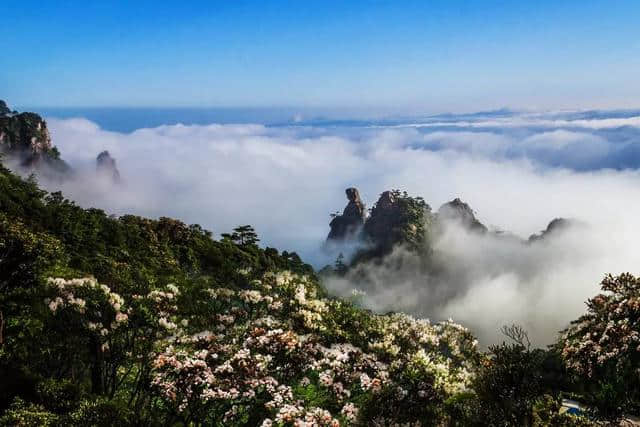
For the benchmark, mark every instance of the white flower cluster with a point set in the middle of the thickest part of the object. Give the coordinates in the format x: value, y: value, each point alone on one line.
x: 609, y: 334
x: 96, y: 308
x: 99, y: 296
x: 272, y: 339
x: 253, y: 297
x: 166, y: 306
x: 224, y: 294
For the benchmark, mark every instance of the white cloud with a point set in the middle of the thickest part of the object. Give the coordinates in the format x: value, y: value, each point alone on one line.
x: 286, y: 181
x: 532, y: 120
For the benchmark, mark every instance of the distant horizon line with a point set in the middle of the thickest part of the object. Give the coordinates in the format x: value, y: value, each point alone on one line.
x: 385, y: 111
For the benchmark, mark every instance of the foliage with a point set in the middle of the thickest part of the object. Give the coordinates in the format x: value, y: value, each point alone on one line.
x: 133, y: 321
x: 242, y: 235
x: 416, y: 215
x: 509, y: 384
x: 547, y: 413
x: 43, y: 235
x: 23, y: 414
x: 602, y: 347
x: 339, y: 267
x: 278, y: 352
x: 512, y: 381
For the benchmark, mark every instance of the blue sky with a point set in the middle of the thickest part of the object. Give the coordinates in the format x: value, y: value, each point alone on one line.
x: 397, y: 56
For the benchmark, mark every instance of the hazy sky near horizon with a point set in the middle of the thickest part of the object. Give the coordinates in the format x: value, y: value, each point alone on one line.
x: 396, y: 57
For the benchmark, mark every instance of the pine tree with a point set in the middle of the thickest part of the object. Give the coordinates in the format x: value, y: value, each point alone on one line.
x: 243, y: 235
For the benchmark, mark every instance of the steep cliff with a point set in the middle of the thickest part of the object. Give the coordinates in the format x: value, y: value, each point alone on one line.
x: 25, y: 137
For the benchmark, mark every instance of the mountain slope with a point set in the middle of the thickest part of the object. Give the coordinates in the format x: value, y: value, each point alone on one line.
x: 134, y: 321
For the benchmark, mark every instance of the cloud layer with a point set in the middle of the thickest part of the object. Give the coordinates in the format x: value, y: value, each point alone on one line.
x: 517, y: 171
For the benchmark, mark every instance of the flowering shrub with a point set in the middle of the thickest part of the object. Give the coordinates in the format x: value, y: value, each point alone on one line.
x: 272, y: 352
x: 603, y: 346
x: 272, y: 356
x: 98, y: 309
x: 167, y: 326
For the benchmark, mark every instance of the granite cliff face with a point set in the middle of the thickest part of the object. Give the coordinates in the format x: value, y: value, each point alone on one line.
x: 25, y: 134
x: 348, y: 224
x: 25, y: 137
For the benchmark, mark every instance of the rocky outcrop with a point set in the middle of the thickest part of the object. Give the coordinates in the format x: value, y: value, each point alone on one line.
x: 555, y: 227
x: 106, y: 167
x: 4, y: 110
x: 348, y: 224
x: 386, y: 216
x: 25, y: 137
x: 461, y: 213
x: 397, y: 218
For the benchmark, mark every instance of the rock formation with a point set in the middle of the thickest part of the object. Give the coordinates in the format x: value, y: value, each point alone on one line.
x: 4, y: 110
x: 106, y: 166
x: 385, y: 217
x: 398, y: 219
x: 555, y: 227
x: 395, y: 219
x: 25, y: 137
x: 353, y: 217
x: 461, y: 213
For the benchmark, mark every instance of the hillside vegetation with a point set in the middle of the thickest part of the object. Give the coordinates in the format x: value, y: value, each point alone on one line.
x: 133, y: 321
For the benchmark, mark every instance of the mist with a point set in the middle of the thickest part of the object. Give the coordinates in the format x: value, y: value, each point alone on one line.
x: 517, y: 172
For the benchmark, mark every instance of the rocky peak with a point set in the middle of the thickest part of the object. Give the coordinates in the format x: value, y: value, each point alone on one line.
x: 460, y: 212
x: 25, y: 135
x: 349, y: 223
x: 355, y: 207
x: 555, y: 227
x: 386, y: 203
x: 395, y: 219
x: 4, y: 110
x: 106, y: 166
x: 386, y: 216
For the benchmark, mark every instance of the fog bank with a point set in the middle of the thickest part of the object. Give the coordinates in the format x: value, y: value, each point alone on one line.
x: 285, y: 181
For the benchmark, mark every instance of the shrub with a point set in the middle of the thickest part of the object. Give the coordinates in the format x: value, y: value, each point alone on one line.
x: 602, y: 347
x: 100, y: 412
x: 23, y: 414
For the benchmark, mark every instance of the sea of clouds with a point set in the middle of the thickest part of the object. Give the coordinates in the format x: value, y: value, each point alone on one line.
x: 517, y: 171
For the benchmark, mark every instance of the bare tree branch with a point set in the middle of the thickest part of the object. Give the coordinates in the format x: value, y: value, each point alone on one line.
x: 517, y: 334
